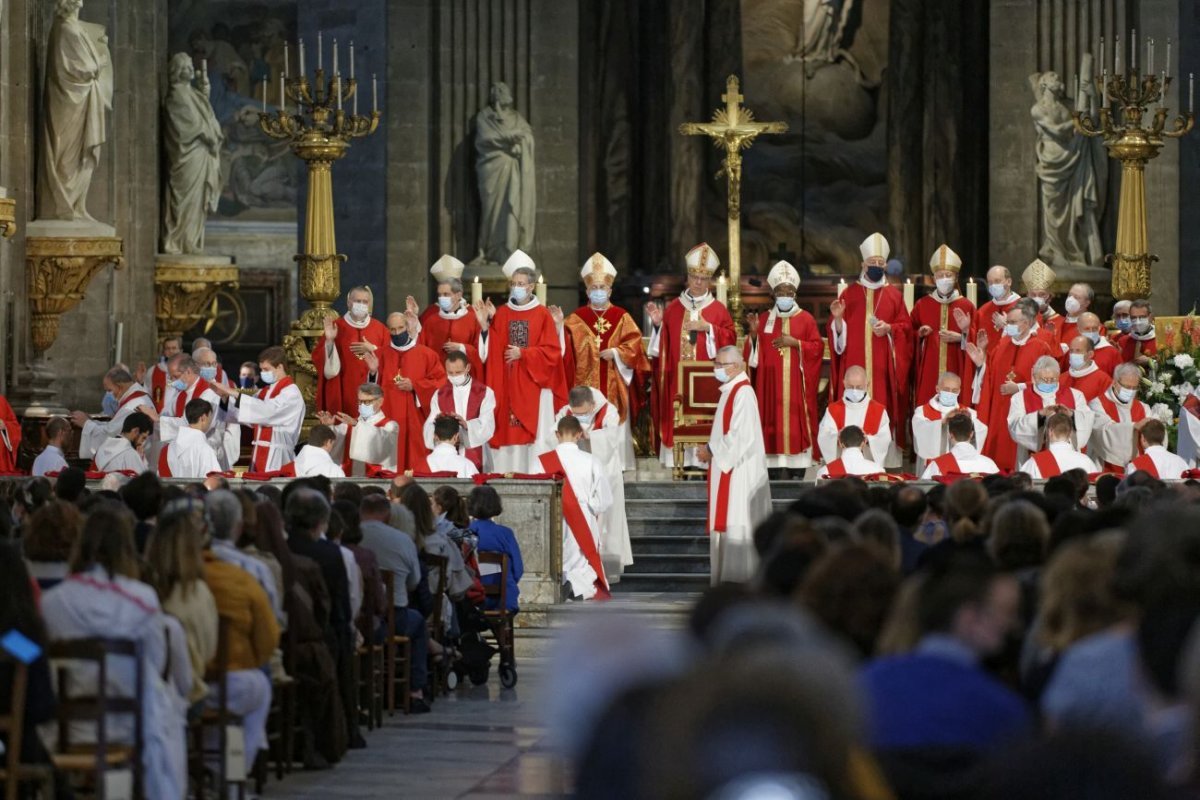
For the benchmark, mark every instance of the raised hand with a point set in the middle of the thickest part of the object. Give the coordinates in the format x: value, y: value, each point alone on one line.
x: 752, y: 325
x: 837, y: 308
x: 346, y: 418
x: 371, y: 360
x: 981, y: 339
x: 962, y: 319
x: 325, y: 418
x: 330, y: 329
x: 975, y: 353
x: 556, y: 313
x: 410, y: 306
x: 999, y: 320
x: 79, y: 418
x: 481, y: 313
x: 656, y: 313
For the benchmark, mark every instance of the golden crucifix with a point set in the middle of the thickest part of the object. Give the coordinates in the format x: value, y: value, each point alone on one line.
x: 733, y: 128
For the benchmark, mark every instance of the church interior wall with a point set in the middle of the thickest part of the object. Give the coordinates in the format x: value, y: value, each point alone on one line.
x: 1189, y: 163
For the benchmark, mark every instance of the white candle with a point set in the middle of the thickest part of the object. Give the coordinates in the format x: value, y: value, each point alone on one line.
x: 1117, y: 63
x: 264, y: 95
x: 1191, y: 90
x: 541, y: 290
x: 1103, y: 64
x: 722, y: 291
x: 337, y: 84
x: 374, y: 94
x: 841, y: 287
x: 351, y: 59
x: 1104, y: 86
x: 285, y: 59
x: 1168, y: 65
x: 354, y: 109
x: 282, y: 94
x: 476, y: 291
x: 1149, y: 56
x: 301, y: 58
x: 972, y: 291
x: 120, y: 341
x: 909, y: 293
x: 335, y: 60
x: 320, y: 54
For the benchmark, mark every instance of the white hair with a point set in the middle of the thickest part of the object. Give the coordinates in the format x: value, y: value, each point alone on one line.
x: 225, y: 513
x: 947, y: 374
x: 1128, y: 368
x: 734, y: 351
x: 1046, y: 363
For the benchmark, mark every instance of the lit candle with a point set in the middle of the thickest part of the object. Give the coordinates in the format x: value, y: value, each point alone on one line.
x: 264, y: 95
x: 841, y: 287
x: 722, y: 291
x: 335, y: 63
x: 909, y: 293
x: 972, y: 291
x: 320, y: 56
x: 285, y: 59
x: 301, y: 58
x: 374, y: 94
x: 337, y: 87
x: 351, y: 59
x: 541, y: 290
x: 476, y: 291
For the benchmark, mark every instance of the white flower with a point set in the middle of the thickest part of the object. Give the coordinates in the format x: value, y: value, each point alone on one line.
x: 1163, y: 413
x: 1183, y: 361
x: 1157, y: 387
x: 1167, y: 377
x: 1183, y: 390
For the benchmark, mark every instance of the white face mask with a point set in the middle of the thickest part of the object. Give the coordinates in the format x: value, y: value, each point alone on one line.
x: 947, y: 399
x: 519, y: 294
x: 1140, y: 324
x: 720, y: 374
x: 445, y: 303
x: 359, y: 311
x: 1092, y: 336
x: 1126, y: 395
x: 366, y: 410
x: 945, y: 285
x: 1011, y: 330
x: 997, y: 290
x: 854, y: 395
x: 1072, y: 305
x: 267, y: 376
x: 1076, y: 360
x: 459, y: 380
x: 1041, y: 301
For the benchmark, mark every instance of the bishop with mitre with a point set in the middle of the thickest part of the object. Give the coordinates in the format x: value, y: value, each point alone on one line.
x: 449, y: 324
x: 338, y: 358
x: 942, y: 320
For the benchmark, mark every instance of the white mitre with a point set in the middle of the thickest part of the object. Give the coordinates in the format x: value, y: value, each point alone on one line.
x: 447, y: 268
x: 598, y: 269
x: 702, y: 260
x: 783, y: 272
x: 875, y: 246
x: 945, y: 258
x: 518, y: 260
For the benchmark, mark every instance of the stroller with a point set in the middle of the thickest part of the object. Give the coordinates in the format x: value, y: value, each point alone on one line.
x: 474, y: 648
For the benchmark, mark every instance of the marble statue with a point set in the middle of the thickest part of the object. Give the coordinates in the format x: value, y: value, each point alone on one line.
x: 821, y: 33
x: 504, y: 169
x: 1069, y: 170
x: 192, y: 141
x: 79, y: 90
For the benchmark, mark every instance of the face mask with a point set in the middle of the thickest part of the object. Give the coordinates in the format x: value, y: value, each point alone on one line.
x: 1140, y: 325
x: 178, y: 385
x: 1048, y: 388
x: 997, y: 290
x: 1093, y: 336
x: 458, y: 380
x: 400, y: 339
x: 586, y: 419
x: 109, y: 404
x: 720, y: 374
x: 1124, y: 324
x: 267, y: 376
x: 358, y: 310
x: 598, y: 297
x: 519, y: 294
x: 1126, y: 395
x: 855, y: 395
x: 1011, y: 330
x: 1041, y: 301
x: 1076, y: 360
x: 208, y: 373
x: 247, y: 382
x: 874, y: 274
x: 1072, y: 305
x: 366, y: 410
x: 947, y: 399
x: 784, y: 304
x: 945, y: 285
x: 445, y: 303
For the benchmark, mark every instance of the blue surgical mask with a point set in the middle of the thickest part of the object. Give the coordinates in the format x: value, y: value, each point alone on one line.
x: 1093, y: 336
x: 208, y: 373
x: 586, y: 419
x: 785, y: 304
x: 947, y: 399
x: 855, y: 395
x: 519, y: 294
x: 446, y: 303
x: 1076, y: 360
x: 109, y: 404
x: 874, y: 274
x: 267, y: 376
x: 720, y: 374
x: 598, y: 297
x: 1011, y: 330
x: 366, y: 410
x: 1124, y: 324
x: 997, y: 290
x: 1126, y: 395
x: 1048, y: 388
x: 400, y: 339
x: 178, y: 385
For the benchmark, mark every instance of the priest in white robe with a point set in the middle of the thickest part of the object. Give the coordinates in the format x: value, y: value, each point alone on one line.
x: 185, y: 385
x: 1189, y: 427
x: 963, y: 456
x: 365, y: 442
x: 586, y: 496
x: 52, y: 458
x: 315, y: 458
x: 1028, y: 410
x: 1060, y: 454
x: 1118, y: 416
x: 604, y: 437
x: 445, y: 456
x: 853, y: 459
x: 188, y: 454
x: 125, y: 452
x: 930, y: 439
x: 739, y: 491
x: 276, y: 412
x: 858, y: 409
x: 1156, y: 458
x: 465, y: 398
x: 130, y: 396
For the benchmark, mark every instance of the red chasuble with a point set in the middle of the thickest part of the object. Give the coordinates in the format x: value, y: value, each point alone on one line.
x: 589, y: 334
x: 1090, y: 386
x: 670, y: 342
x: 10, y: 437
x: 436, y: 330
x: 933, y: 355
x: 1131, y: 348
x: 341, y: 393
x: 1017, y: 360
x: 518, y: 386
x: 886, y: 358
x: 423, y: 367
x: 786, y: 383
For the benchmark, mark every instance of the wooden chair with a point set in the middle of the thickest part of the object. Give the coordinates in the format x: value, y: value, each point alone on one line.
x: 218, y: 719
x: 282, y: 724
x: 95, y: 760
x: 696, y: 397
x: 439, y: 565
x: 500, y: 619
x: 371, y: 680
x: 397, y: 652
x: 12, y: 725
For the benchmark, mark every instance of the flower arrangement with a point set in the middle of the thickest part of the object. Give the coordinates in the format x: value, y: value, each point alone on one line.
x: 1174, y: 372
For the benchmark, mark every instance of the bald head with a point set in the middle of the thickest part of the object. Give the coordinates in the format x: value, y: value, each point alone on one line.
x: 855, y: 380
x: 1089, y: 323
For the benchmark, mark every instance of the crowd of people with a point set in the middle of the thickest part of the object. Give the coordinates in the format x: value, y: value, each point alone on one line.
x: 291, y: 579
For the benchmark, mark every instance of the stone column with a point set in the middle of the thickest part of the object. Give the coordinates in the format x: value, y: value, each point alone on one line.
x: 1158, y: 19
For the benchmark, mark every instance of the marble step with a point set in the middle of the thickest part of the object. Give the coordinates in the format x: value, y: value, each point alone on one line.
x: 662, y: 582
x: 687, y: 528
x: 667, y: 563
x: 654, y: 543
x: 661, y: 509
x: 698, y: 490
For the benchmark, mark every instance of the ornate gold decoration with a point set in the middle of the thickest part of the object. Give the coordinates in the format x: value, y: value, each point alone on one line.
x: 312, y: 120
x: 1133, y: 144
x: 734, y: 129
x: 8, y: 217
x: 58, y: 271
x: 184, y: 292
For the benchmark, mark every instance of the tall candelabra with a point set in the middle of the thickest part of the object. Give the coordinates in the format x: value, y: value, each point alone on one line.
x: 1128, y: 96
x: 311, y: 116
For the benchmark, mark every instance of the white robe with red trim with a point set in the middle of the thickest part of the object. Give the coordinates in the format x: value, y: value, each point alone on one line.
x: 479, y: 430
x: 223, y: 437
x: 851, y: 462
x: 592, y: 489
x: 1024, y: 423
x: 1189, y: 429
x: 1114, y: 441
x: 96, y: 432
x: 119, y: 455
x: 929, y: 431
x: 737, y: 448
x: 445, y: 458
x: 372, y: 443
x: 190, y: 456
x: 1166, y: 465
x: 969, y: 460
x: 879, y: 439
x: 1066, y: 456
x: 280, y: 409
x: 313, y: 461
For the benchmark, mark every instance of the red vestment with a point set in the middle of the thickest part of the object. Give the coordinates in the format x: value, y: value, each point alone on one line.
x: 670, y: 344
x: 1017, y: 361
x: 786, y: 383
x: 423, y: 367
x: 158, y: 385
x: 1131, y: 348
x: 341, y: 393
x: 1091, y: 385
x: 885, y: 358
x: 10, y: 437
x: 933, y: 356
x: 436, y: 330
x: 518, y: 386
x: 590, y: 334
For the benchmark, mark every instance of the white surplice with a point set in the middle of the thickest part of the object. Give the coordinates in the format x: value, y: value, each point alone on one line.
x: 281, y: 409
x: 929, y: 435
x: 1189, y: 430
x: 224, y: 438
x: 445, y: 458
x: 478, y: 432
x: 970, y: 461
x: 119, y: 455
x: 741, y: 451
x: 880, y: 442
x: 591, y: 488
x: 1114, y: 441
x: 855, y: 463
x: 1067, y: 457
x: 1167, y: 465
x: 95, y: 432
x: 372, y: 441
x: 313, y: 461
x: 1027, y: 433
x: 190, y: 455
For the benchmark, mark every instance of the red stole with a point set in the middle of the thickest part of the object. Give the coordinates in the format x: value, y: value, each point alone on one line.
x: 947, y: 464
x: 934, y: 414
x: 164, y: 468
x: 182, y: 399
x: 1033, y: 400
x: 871, y: 420
x: 1047, y: 464
x: 572, y: 512
x: 835, y: 469
x: 264, y: 433
x: 131, y: 398
x: 720, y: 518
x: 1137, y: 410
x: 158, y: 387
x: 350, y: 437
x: 1145, y: 462
x: 475, y: 395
